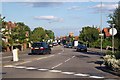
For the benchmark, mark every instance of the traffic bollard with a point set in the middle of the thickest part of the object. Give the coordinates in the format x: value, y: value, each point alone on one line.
x: 15, y: 55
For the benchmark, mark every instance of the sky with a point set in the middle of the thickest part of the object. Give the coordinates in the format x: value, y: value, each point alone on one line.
x: 60, y: 17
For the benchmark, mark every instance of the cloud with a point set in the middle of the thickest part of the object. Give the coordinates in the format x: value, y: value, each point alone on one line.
x: 44, y: 4
x: 49, y: 18
x: 74, y: 8
x: 105, y: 7
x: 45, y: 17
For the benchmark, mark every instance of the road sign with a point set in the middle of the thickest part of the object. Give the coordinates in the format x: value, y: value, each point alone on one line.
x: 101, y: 34
x: 114, y: 32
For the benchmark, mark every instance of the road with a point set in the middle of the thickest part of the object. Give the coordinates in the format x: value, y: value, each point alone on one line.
x: 62, y: 63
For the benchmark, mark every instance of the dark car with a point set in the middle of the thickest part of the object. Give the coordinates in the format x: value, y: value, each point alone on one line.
x: 40, y: 48
x: 81, y: 47
x: 69, y: 45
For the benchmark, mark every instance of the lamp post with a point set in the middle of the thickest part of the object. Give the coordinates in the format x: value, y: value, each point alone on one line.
x: 113, y: 38
x: 101, y: 26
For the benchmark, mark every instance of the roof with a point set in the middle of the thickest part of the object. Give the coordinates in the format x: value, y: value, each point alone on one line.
x: 106, y: 31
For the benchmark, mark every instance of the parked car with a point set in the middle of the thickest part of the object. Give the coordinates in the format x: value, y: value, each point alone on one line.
x: 51, y: 45
x: 40, y: 48
x: 64, y: 45
x: 69, y: 45
x: 81, y: 47
x: 55, y: 43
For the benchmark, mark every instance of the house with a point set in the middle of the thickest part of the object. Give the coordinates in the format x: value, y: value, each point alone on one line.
x: 6, y: 30
x: 105, y: 31
x: 8, y: 26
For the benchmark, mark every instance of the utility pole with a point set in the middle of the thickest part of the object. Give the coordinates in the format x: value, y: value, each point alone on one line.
x: 113, y: 38
x: 101, y: 26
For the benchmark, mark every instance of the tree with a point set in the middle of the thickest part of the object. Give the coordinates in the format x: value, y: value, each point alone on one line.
x: 50, y: 34
x: 89, y: 34
x: 19, y: 32
x: 115, y: 19
x: 2, y: 25
x: 38, y: 34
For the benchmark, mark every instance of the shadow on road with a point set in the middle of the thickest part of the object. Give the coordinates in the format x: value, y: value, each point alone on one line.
x: 90, y: 53
x: 82, y: 56
x: 105, y: 69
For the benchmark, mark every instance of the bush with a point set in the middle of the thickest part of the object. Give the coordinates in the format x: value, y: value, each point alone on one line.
x: 106, y: 42
x: 111, y: 62
x: 117, y: 55
x: 109, y: 53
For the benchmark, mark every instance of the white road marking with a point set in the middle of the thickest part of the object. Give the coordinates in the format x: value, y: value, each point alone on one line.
x: 68, y: 72
x: 31, y: 68
x: 96, y: 77
x: 9, y: 66
x: 73, y: 56
x: 55, y: 71
x: 67, y: 60
x: 57, y: 66
x: 42, y: 69
x: 41, y: 58
x: 79, y: 74
x: 20, y: 67
x: 59, y: 53
x: 45, y: 57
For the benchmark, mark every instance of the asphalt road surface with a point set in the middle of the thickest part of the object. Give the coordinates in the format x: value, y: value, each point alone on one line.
x: 62, y: 63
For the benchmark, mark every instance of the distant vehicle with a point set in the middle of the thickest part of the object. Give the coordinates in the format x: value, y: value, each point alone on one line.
x: 40, y: 48
x: 81, y: 47
x: 51, y: 45
x: 64, y: 45
x: 69, y: 45
x: 55, y: 43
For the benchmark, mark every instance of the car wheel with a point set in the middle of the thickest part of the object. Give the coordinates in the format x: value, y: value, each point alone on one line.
x: 29, y: 53
x: 80, y: 50
x: 85, y: 50
x: 77, y: 50
x: 50, y: 52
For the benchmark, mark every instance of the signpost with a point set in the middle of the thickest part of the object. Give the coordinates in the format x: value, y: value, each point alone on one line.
x: 113, y: 32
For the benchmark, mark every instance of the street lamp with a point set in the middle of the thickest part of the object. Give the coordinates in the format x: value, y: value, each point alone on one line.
x: 113, y: 38
x: 101, y: 26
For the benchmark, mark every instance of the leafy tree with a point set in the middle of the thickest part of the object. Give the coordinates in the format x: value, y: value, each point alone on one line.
x: 115, y: 19
x: 89, y: 34
x: 50, y: 34
x: 18, y: 33
x: 38, y: 34
x: 2, y: 25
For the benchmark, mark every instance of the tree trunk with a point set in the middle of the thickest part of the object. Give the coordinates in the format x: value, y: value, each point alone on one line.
x: 11, y: 48
x: 8, y: 49
x: 24, y: 46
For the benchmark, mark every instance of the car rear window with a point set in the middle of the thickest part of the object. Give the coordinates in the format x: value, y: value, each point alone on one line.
x: 37, y: 45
